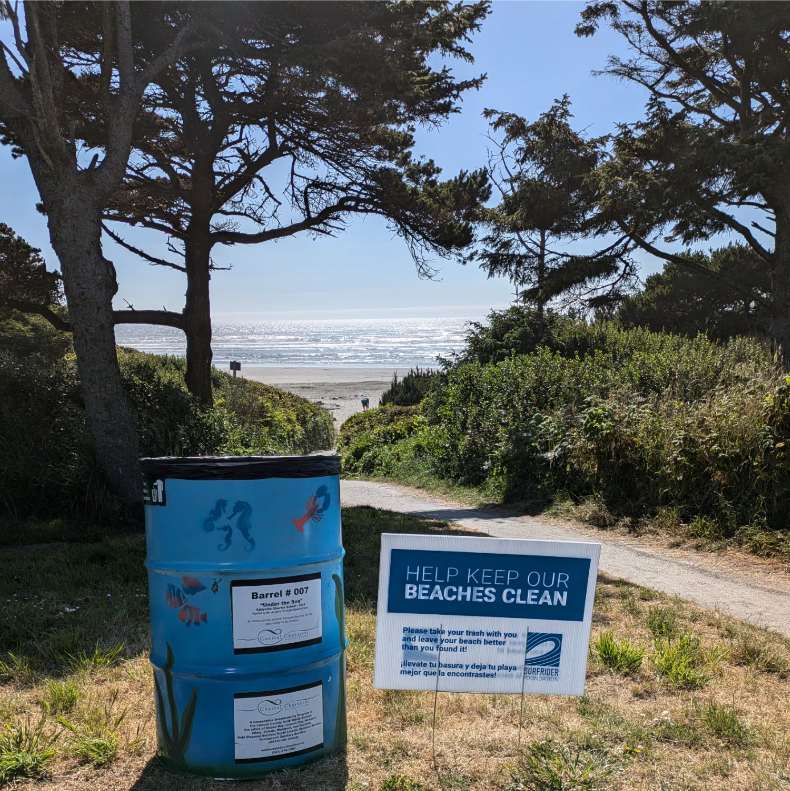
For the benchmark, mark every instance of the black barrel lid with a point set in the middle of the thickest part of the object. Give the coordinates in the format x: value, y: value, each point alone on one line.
x: 239, y: 468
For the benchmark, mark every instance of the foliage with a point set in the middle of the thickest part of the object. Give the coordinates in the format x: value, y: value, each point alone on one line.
x: 25, y: 750
x: 366, y: 438
x: 619, y: 656
x: 25, y: 335
x: 410, y: 390
x: 25, y: 283
x: 641, y: 421
x: 544, y: 172
x: 515, y: 331
x: 548, y: 766
x: 329, y: 96
x: 46, y: 463
x: 689, y: 301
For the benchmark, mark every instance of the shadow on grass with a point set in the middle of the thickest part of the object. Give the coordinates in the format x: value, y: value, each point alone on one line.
x: 362, y: 529
x: 61, y: 600
x: 326, y: 774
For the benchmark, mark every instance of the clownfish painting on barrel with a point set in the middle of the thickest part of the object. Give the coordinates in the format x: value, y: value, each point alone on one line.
x: 192, y: 615
x: 175, y: 598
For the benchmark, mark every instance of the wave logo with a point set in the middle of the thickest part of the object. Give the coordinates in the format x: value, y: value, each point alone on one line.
x: 543, y: 649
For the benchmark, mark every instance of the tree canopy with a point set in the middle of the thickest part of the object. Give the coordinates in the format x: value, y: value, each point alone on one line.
x: 545, y: 173
x: 711, y: 155
x: 688, y: 301
x: 26, y: 284
x: 307, y: 120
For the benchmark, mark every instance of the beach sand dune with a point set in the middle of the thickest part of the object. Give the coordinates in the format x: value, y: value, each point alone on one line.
x: 340, y: 390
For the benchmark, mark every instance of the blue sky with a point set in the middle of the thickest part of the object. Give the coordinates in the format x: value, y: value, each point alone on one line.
x: 531, y: 57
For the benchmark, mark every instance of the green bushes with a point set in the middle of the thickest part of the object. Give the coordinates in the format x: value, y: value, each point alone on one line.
x: 410, y: 390
x: 46, y: 464
x: 370, y: 442
x: 643, y: 422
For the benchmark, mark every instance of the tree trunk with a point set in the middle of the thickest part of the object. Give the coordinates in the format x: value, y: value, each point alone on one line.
x: 90, y: 284
x: 197, y: 319
x: 541, y: 276
x: 780, y: 290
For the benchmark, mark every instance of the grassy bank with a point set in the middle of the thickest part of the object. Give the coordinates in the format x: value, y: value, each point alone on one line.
x: 693, y: 700
x: 46, y: 465
x: 633, y: 425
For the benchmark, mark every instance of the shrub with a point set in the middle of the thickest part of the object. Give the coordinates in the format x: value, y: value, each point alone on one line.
x: 47, y: 467
x: 366, y: 439
x: 642, y: 423
x: 620, y: 657
x: 410, y: 390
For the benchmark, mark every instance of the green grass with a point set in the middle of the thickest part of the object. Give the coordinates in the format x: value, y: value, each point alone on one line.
x: 26, y: 750
x: 662, y: 622
x: 724, y: 723
x: 400, y: 783
x: 547, y: 766
x: 60, y: 697
x: 94, y: 737
x: 619, y: 656
x: 84, y: 708
x: 680, y: 661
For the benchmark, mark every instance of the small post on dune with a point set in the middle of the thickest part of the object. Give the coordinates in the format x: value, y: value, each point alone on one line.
x: 235, y: 366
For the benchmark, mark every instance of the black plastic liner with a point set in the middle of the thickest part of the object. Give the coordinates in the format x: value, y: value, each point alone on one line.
x: 239, y: 468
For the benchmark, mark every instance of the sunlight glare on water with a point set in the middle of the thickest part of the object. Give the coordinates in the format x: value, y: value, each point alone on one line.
x: 336, y: 342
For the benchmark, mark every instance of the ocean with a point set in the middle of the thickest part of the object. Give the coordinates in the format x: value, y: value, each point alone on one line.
x: 354, y: 343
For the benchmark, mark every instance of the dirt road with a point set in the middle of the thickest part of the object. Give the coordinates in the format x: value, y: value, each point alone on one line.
x: 744, y: 590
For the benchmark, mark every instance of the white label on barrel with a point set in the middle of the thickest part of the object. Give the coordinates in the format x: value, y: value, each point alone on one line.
x: 275, y: 614
x: 279, y: 724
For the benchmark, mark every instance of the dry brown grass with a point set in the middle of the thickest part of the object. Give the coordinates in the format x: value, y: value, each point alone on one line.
x: 649, y: 734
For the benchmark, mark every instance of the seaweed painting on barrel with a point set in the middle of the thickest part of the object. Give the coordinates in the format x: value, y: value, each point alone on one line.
x: 341, y: 725
x: 173, y: 741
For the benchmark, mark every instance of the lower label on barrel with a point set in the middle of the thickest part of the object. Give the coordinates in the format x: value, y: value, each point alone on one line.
x: 270, y: 726
x: 276, y: 614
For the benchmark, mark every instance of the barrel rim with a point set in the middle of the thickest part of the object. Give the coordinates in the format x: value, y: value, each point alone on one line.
x: 212, y: 468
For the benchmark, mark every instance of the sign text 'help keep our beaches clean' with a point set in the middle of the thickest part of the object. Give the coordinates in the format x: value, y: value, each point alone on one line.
x: 468, y: 614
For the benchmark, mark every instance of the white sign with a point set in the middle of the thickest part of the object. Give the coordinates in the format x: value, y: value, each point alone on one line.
x: 458, y: 614
x: 276, y: 614
x: 279, y: 724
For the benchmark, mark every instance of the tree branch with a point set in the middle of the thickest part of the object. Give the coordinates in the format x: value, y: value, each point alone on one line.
x: 693, y: 265
x: 163, y: 318
x: 44, y: 311
x: 145, y: 256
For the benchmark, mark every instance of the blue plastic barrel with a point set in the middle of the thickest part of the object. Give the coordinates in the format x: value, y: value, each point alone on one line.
x: 245, y: 576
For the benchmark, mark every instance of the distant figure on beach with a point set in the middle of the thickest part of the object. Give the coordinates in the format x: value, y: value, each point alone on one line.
x: 365, y: 404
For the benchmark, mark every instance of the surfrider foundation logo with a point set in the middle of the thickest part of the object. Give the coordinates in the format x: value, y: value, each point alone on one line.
x: 543, y: 656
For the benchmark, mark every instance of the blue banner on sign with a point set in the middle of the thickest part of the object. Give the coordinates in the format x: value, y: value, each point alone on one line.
x: 487, y: 584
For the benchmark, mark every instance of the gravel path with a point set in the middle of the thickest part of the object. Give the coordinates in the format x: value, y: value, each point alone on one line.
x: 691, y: 577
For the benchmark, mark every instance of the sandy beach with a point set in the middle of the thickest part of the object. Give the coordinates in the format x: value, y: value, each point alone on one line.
x: 340, y: 390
